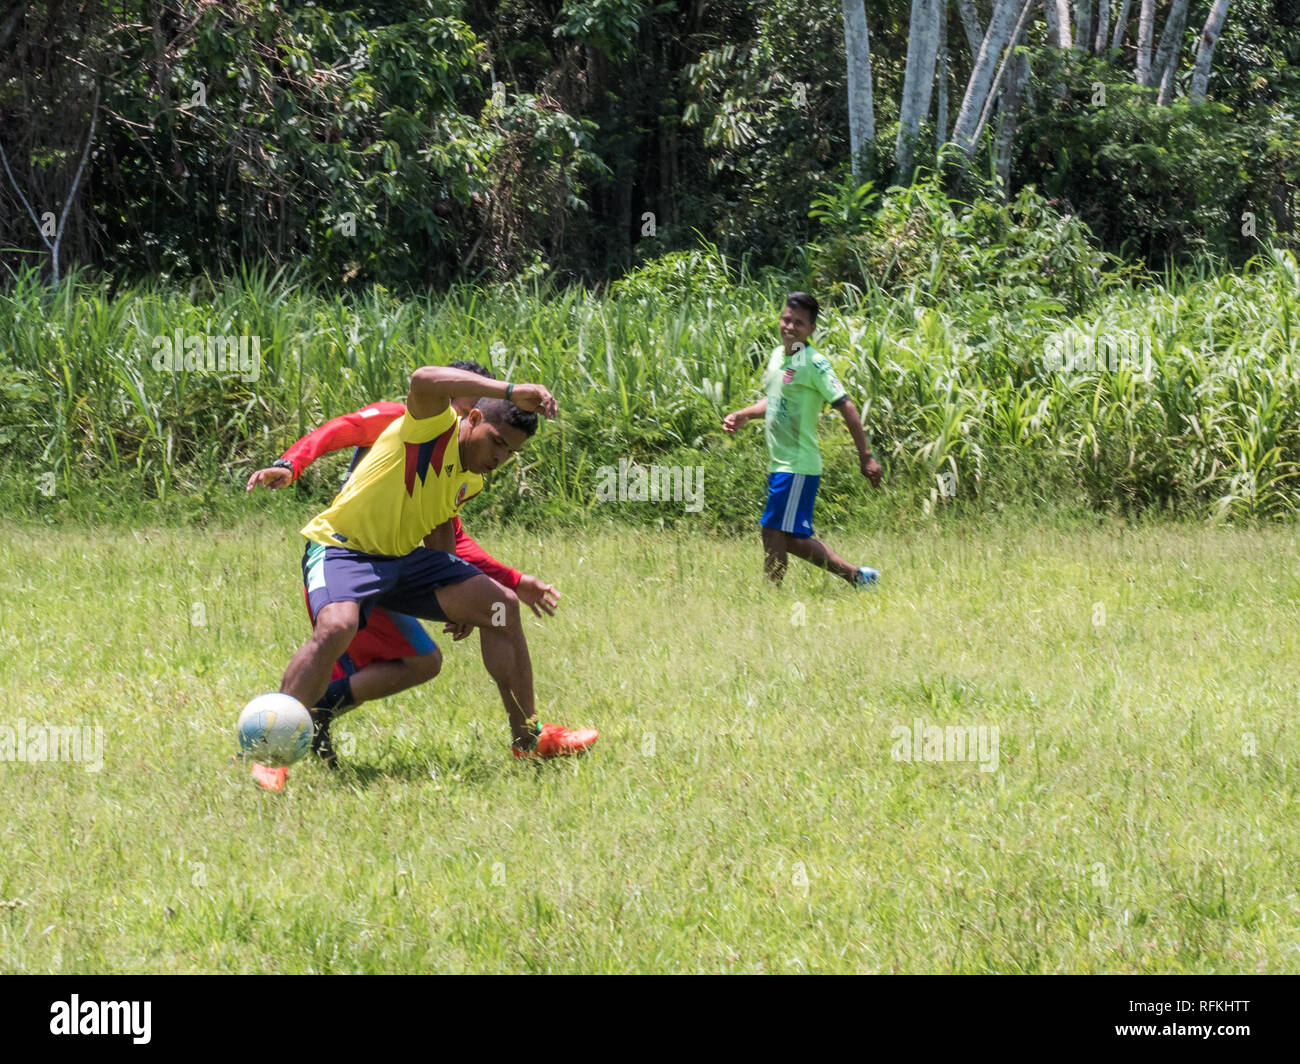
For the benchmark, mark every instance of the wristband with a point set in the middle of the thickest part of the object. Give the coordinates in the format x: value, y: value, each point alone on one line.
x: 284, y: 463
x: 509, y: 388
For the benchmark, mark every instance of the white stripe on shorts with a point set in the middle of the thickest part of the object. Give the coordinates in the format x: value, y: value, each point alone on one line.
x: 791, y: 514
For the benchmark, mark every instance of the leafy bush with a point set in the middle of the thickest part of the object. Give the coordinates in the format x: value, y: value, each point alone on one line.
x: 919, y: 239
x: 1166, y: 184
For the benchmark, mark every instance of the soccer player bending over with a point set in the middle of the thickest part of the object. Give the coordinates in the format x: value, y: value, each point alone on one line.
x: 798, y: 381
x: 363, y: 551
x: 393, y: 652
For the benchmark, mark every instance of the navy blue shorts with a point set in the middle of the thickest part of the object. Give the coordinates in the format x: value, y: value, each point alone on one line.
x: 790, y: 498
x: 404, y: 584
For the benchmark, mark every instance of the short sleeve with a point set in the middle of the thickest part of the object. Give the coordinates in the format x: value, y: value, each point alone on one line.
x: 821, y: 376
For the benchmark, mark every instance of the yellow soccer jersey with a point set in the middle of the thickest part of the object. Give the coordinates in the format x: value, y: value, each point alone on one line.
x: 409, y: 484
x: 473, y: 485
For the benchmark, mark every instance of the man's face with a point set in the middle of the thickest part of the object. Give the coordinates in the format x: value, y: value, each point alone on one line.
x: 484, y: 446
x: 796, y: 327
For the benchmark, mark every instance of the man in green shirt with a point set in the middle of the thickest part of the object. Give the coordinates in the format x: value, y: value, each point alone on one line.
x: 798, y: 381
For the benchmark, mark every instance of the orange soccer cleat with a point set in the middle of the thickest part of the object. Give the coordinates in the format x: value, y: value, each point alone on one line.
x: 555, y: 741
x: 273, y: 779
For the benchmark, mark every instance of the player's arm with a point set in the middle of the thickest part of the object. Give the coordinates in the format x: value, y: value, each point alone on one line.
x: 534, y: 592
x: 469, y: 549
x: 738, y: 418
x: 434, y: 387
x: 361, y: 428
x: 870, y: 469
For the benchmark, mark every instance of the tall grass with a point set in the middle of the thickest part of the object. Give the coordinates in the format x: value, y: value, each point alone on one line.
x: 1183, y: 397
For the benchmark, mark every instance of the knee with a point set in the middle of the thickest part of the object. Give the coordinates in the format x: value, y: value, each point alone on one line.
x: 426, y: 666
x: 335, y: 626
x: 504, y: 611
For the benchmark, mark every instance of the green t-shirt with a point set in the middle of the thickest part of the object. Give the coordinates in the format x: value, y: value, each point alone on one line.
x: 797, y: 387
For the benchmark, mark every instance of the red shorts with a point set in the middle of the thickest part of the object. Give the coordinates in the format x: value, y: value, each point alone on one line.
x: 387, y: 636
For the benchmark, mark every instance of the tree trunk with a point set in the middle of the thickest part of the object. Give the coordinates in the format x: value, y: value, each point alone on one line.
x: 1083, y: 25
x: 970, y: 22
x: 1058, y: 35
x: 918, y: 81
x: 941, y: 76
x: 1146, y: 30
x: 1103, y: 27
x: 1171, y: 47
x: 980, y: 84
x: 1121, y: 27
x: 992, y: 96
x: 1065, y: 38
x: 1205, y: 51
x: 857, y: 47
x: 1009, y: 106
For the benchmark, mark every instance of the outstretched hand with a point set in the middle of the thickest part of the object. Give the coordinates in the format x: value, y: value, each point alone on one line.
x: 872, y: 471
x: 270, y: 477
x: 734, y: 421
x: 536, y: 595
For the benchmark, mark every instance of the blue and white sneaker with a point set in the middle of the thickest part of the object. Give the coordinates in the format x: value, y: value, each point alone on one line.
x: 866, y: 576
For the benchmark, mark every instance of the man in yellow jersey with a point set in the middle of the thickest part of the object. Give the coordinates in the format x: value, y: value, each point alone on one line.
x: 362, y: 551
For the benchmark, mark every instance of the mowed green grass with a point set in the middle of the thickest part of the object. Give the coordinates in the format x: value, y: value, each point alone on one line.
x: 742, y: 811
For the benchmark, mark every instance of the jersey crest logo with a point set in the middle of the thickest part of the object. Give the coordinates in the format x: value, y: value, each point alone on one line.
x: 419, y: 456
x: 788, y: 377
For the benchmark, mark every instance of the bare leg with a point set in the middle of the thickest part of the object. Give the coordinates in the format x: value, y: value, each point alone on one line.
x: 382, y: 678
x: 774, y: 554
x: 494, y: 610
x: 308, y: 672
x: 815, y: 551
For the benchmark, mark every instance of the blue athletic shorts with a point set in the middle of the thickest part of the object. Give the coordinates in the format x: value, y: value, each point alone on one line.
x: 790, y: 498
x: 404, y: 584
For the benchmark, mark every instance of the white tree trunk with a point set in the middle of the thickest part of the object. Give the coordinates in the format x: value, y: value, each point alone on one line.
x: 1146, y: 31
x: 941, y: 76
x: 1057, y: 15
x: 1065, y: 38
x: 1171, y: 47
x: 1009, y: 108
x: 1121, y: 26
x: 857, y: 47
x: 1083, y: 24
x: 1016, y: 32
x: 970, y: 22
x: 918, y: 81
x: 1205, y: 51
x: 1103, y: 27
x: 979, y: 86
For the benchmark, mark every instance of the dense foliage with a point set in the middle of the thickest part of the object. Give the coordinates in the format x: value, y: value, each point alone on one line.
x: 1183, y: 399
x: 418, y: 142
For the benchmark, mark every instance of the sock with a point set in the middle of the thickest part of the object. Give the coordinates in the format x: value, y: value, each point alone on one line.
x: 529, y: 742
x: 337, y: 695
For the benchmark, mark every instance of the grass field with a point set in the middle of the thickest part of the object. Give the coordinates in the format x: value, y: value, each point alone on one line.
x: 744, y: 810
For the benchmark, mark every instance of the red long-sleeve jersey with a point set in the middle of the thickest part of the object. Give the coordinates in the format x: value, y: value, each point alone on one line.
x: 363, y: 427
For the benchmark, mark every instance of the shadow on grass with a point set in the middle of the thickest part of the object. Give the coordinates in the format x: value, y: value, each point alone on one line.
x: 439, y: 768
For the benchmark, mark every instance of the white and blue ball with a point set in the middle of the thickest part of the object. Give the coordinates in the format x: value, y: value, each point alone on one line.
x: 275, y: 729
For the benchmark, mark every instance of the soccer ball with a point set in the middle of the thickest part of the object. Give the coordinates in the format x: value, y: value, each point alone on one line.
x: 275, y: 729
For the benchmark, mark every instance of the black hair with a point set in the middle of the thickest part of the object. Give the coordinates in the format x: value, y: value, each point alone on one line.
x: 803, y: 301
x: 502, y: 412
x: 470, y: 367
